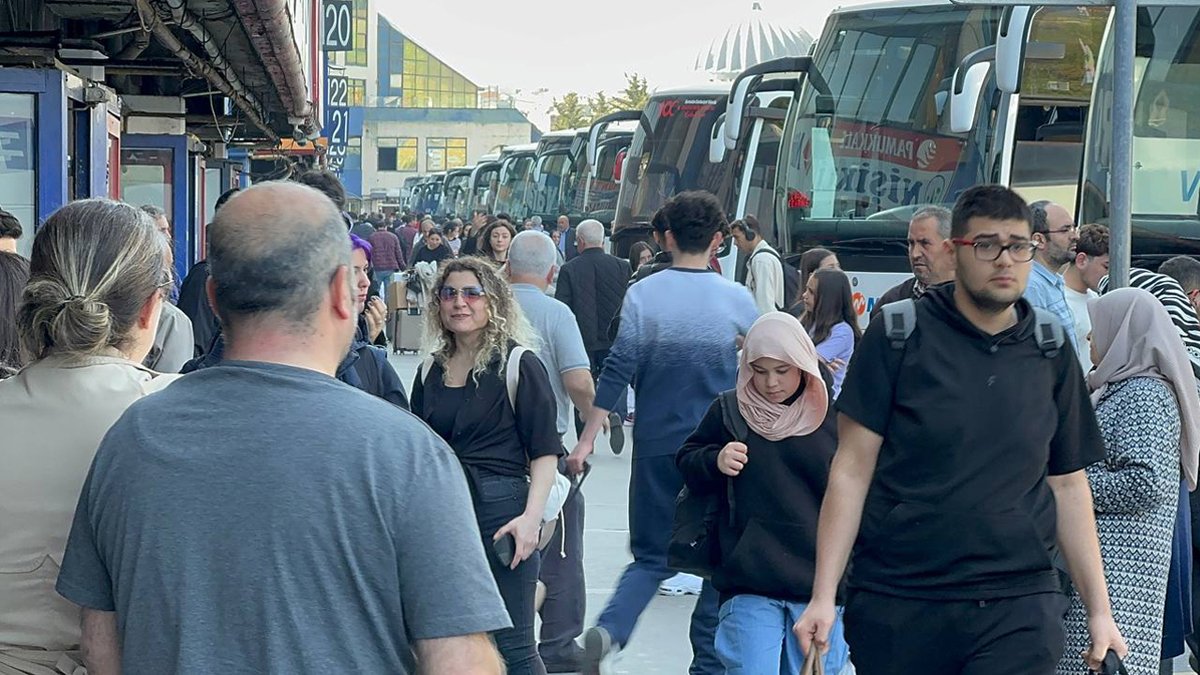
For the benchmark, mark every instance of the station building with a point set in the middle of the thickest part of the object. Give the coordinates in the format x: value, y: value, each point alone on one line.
x: 413, y: 114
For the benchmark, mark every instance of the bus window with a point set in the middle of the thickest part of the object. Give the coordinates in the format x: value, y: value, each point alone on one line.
x: 1166, y: 137
x: 1048, y: 139
x: 880, y: 147
x: 669, y: 154
x: 760, y: 188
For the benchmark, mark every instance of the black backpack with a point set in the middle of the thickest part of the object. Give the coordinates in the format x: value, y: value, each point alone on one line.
x: 900, y: 318
x: 694, y: 548
x: 791, y: 278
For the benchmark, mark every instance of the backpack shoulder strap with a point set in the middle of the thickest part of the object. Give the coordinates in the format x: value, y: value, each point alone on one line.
x: 899, y: 320
x: 735, y: 424
x: 425, y: 367
x: 512, y: 374
x: 1048, y: 332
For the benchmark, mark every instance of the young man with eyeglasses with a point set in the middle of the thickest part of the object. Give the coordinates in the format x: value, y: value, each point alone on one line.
x: 959, y: 477
x: 1056, y: 234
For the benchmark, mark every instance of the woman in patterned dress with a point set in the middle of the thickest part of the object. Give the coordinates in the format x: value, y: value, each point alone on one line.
x: 1149, y: 414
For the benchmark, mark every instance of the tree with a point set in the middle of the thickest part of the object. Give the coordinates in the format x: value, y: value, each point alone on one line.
x: 636, y: 94
x: 600, y: 105
x: 569, y: 113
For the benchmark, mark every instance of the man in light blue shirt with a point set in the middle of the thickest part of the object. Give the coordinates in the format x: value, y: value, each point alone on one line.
x: 1055, y: 233
x: 532, y: 263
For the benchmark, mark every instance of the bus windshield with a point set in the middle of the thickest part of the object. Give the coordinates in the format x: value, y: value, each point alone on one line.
x: 1166, y: 137
x: 483, y: 190
x: 860, y: 161
x: 546, y: 191
x: 669, y: 154
x: 587, y: 197
x: 514, y: 182
x: 456, y: 190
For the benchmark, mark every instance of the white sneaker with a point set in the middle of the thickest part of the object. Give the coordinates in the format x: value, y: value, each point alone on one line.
x: 681, y: 584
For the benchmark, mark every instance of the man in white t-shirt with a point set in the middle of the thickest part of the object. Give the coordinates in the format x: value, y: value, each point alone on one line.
x: 1082, y: 279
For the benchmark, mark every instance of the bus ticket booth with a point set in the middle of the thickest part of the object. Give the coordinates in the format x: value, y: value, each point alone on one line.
x: 159, y: 165
x: 59, y: 140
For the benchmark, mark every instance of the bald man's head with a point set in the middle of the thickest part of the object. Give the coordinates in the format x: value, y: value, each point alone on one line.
x: 273, y: 249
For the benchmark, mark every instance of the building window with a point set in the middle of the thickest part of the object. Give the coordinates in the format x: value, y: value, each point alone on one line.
x: 445, y: 153
x: 19, y: 163
x: 356, y: 92
x: 397, y: 154
x: 429, y: 83
x: 362, y: 22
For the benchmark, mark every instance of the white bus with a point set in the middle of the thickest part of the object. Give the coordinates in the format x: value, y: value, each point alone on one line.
x: 909, y: 103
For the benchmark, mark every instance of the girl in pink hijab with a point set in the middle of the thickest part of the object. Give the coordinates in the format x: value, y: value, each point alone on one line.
x: 1149, y: 414
x: 764, y: 450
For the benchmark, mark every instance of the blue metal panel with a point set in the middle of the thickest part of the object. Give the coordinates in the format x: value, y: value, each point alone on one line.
x: 181, y: 192
x: 242, y: 155
x: 383, y: 78
x: 50, y: 88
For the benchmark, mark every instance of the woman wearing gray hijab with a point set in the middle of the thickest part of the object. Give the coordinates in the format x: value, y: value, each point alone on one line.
x: 1149, y: 414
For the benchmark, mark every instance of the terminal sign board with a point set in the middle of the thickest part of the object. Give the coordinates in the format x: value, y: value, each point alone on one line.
x: 337, y: 120
x: 337, y: 25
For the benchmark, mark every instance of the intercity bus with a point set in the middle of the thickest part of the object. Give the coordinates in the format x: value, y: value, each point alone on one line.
x: 406, y: 189
x: 485, y: 178
x: 593, y: 180
x: 516, y: 173
x: 679, y: 145
x: 669, y: 154
x: 915, y: 101
x: 456, y: 193
x: 556, y: 152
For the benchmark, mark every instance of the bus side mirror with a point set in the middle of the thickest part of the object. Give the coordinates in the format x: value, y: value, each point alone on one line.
x: 717, y: 143
x: 964, y: 98
x: 735, y: 111
x: 1010, y: 48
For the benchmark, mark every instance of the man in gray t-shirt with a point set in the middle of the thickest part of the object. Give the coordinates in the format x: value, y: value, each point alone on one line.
x: 532, y: 259
x: 262, y: 517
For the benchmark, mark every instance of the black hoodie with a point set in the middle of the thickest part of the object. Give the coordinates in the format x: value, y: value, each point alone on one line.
x: 972, y: 424
x: 770, y: 547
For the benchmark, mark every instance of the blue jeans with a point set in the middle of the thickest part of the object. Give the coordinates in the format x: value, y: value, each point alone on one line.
x: 653, y: 485
x: 754, y: 637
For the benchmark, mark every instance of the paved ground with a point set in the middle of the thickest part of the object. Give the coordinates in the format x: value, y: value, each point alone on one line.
x: 660, y: 644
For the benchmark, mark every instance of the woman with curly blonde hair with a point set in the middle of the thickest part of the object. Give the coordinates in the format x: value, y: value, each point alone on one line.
x: 509, y: 447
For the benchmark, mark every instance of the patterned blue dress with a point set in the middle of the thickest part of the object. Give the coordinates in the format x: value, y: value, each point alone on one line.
x: 1136, y: 493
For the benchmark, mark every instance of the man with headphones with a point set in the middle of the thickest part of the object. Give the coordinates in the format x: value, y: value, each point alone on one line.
x: 1055, y: 233
x: 764, y: 266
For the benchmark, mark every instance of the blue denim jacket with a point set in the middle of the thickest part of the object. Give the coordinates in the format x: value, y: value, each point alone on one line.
x: 1045, y: 290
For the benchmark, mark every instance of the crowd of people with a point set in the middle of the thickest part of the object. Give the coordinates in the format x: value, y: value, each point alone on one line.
x: 993, y: 477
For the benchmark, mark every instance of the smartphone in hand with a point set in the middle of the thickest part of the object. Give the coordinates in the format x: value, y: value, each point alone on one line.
x: 505, y: 548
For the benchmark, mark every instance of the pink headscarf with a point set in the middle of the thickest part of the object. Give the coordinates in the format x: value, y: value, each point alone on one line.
x: 1134, y: 337
x: 779, y: 335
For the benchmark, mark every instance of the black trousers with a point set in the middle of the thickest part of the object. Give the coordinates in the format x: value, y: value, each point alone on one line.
x: 893, y: 636
x: 566, y: 593
x: 499, y: 499
x: 597, y: 364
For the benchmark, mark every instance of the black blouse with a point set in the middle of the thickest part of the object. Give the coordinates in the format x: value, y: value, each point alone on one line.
x: 435, y: 255
x: 485, y: 433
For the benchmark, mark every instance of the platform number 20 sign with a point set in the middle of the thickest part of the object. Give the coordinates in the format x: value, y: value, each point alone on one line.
x: 337, y: 32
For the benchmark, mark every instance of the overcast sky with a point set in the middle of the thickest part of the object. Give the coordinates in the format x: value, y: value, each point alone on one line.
x: 563, y: 45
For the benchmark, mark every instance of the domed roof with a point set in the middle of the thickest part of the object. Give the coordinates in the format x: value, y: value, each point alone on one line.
x: 754, y: 39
